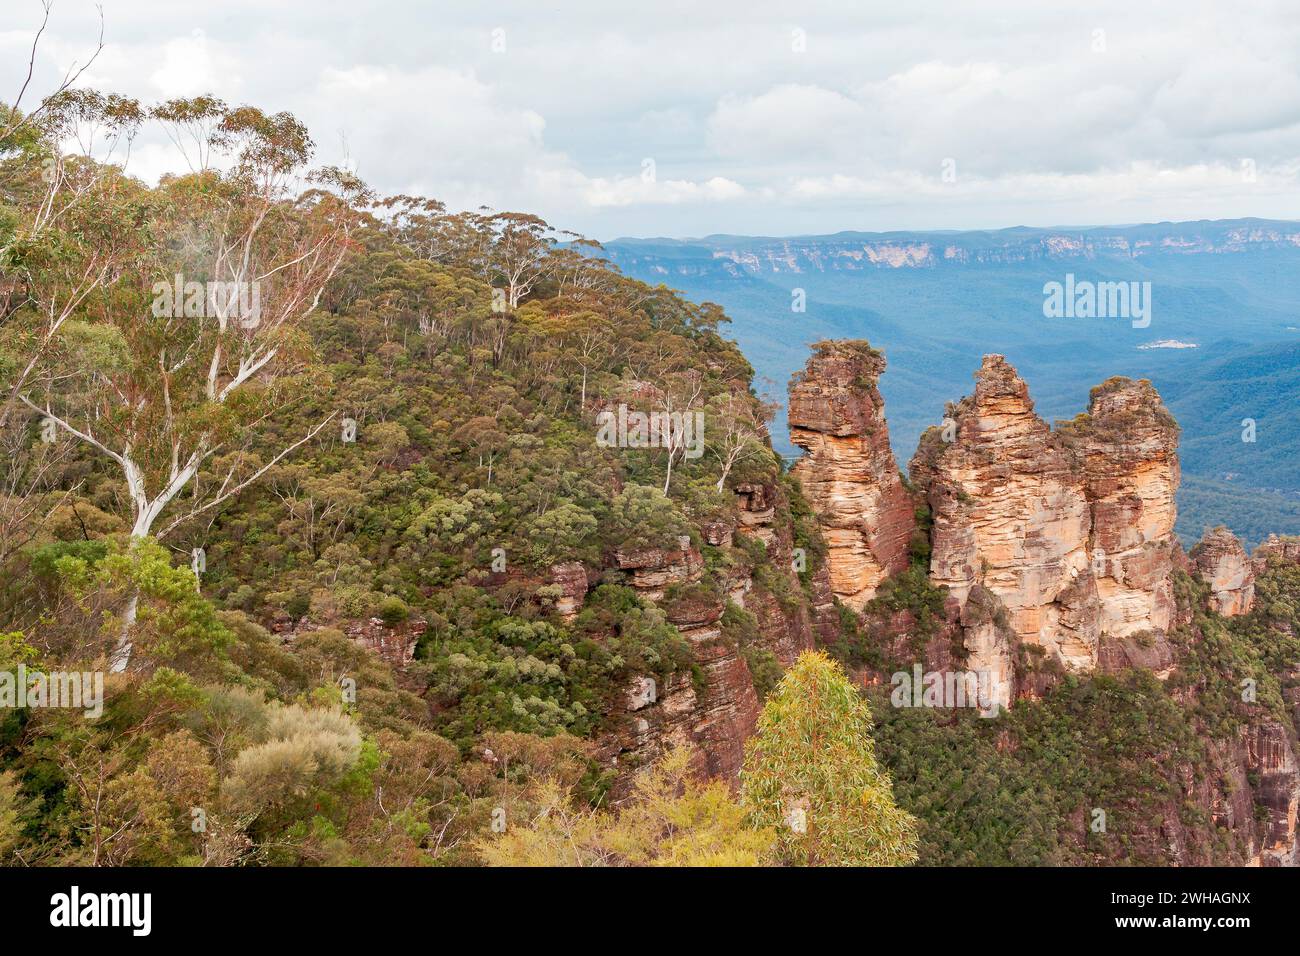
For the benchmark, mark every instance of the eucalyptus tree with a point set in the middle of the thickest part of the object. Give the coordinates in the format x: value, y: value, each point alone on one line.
x: 178, y: 375
x: 811, y: 774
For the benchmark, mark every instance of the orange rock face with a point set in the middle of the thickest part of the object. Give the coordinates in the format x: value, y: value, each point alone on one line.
x: 1011, y: 516
x: 849, y: 474
x: 1127, y: 445
x: 1064, y: 540
x: 571, y: 578
x: 1058, y: 540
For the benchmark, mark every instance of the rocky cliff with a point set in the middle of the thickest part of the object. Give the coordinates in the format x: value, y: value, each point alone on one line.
x: 751, y: 564
x: 849, y: 475
x: 1126, y: 446
x: 1282, y: 547
x: 714, y: 706
x: 1071, y: 530
x: 1060, y: 545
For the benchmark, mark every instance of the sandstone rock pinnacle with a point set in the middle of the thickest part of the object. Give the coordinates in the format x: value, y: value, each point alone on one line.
x: 849, y: 474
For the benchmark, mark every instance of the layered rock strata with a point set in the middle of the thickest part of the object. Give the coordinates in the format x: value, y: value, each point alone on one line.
x: 1011, y: 516
x: 714, y: 707
x: 1063, y: 541
x: 714, y: 710
x: 1284, y: 548
x: 849, y: 474
x: 1127, y: 447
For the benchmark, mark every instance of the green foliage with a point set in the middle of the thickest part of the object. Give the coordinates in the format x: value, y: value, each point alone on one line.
x: 11, y: 805
x: 456, y: 458
x: 671, y: 819
x: 811, y: 774
x: 295, y: 751
x: 643, y: 517
x: 14, y: 651
x: 559, y: 534
x: 1115, y: 744
x: 393, y: 611
x: 862, y: 638
x: 1252, y: 513
x: 174, y: 624
x: 764, y: 668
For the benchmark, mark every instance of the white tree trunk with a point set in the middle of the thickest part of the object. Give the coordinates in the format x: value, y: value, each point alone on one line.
x: 121, y: 656
x: 146, y: 513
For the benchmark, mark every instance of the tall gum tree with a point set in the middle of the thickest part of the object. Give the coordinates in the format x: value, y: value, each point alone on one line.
x: 184, y: 367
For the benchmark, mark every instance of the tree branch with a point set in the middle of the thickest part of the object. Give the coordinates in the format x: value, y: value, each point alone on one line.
x: 246, y: 482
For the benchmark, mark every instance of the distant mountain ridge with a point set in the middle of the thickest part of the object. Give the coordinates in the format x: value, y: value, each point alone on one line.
x: 736, y: 255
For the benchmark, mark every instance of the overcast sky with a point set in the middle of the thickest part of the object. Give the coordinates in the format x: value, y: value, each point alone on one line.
x: 746, y: 116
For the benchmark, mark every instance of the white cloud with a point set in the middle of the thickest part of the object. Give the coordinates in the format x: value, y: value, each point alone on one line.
x: 470, y: 146
x: 790, y: 120
x: 631, y: 190
x: 187, y: 68
x: 452, y: 135
x: 747, y: 133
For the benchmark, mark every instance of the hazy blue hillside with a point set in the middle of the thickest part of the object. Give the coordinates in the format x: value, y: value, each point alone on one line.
x: 936, y: 302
